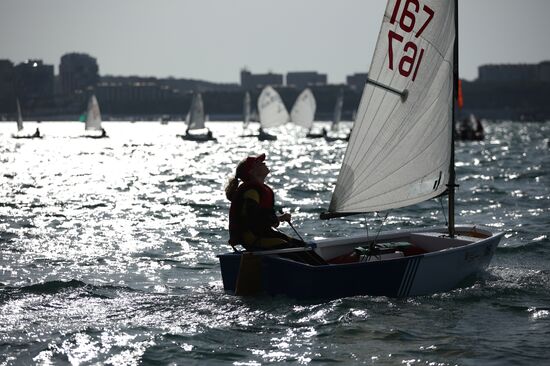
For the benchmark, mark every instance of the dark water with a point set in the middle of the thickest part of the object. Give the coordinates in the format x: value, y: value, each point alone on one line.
x: 108, y: 255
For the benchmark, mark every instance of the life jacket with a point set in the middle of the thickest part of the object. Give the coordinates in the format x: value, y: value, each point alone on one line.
x: 236, y: 226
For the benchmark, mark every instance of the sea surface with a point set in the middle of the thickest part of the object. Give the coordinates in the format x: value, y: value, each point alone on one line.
x: 108, y: 254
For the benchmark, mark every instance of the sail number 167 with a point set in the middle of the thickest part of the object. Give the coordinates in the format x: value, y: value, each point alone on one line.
x: 410, y: 61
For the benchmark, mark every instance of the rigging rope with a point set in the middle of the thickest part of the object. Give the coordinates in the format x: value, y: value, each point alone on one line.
x: 372, y: 246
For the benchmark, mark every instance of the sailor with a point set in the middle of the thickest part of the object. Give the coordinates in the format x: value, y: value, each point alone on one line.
x: 252, y: 217
x: 478, y: 133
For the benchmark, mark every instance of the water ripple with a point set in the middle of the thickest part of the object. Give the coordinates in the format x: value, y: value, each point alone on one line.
x: 109, y: 254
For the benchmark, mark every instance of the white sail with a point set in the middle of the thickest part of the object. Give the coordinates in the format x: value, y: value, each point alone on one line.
x: 399, y: 151
x: 246, y: 110
x: 19, y: 117
x: 338, y: 110
x: 196, y: 113
x: 93, y: 115
x: 272, y: 110
x: 303, y: 111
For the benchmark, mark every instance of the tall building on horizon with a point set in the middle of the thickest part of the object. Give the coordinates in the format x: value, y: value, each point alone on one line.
x: 357, y: 81
x: 515, y: 72
x: 7, y: 86
x: 303, y: 79
x: 34, y: 81
x: 78, y: 72
x: 252, y: 81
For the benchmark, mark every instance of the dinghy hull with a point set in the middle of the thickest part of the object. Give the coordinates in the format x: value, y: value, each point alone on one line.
x: 197, y: 138
x: 267, y: 137
x: 414, y: 275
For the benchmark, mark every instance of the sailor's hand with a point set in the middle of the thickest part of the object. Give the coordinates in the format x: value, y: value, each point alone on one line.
x: 285, y: 217
x: 310, y: 244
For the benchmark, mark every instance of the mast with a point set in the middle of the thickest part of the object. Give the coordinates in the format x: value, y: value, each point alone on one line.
x: 451, y: 185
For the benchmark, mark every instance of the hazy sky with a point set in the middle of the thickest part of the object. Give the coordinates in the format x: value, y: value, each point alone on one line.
x: 213, y: 39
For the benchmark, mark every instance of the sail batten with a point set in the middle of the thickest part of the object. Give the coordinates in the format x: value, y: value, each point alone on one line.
x: 399, y: 151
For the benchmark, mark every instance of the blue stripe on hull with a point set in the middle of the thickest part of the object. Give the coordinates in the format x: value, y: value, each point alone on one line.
x: 408, y: 278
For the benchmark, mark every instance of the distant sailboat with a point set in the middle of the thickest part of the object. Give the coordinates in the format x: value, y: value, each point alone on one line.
x: 246, y: 110
x: 401, y: 153
x: 272, y: 111
x: 19, y: 117
x: 20, y: 134
x: 303, y: 110
x: 247, y: 115
x: 337, y: 116
x: 196, y: 121
x: 93, y: 119
x: 469, y: 129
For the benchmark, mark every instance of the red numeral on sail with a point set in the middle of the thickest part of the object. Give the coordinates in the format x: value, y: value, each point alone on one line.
x: 407, y: 61
x: 408, y: 18
x: 418, y: 64
x: 430, y: 13
x: 395, y: 11
x: 391, y: 36
x: 407, y: 22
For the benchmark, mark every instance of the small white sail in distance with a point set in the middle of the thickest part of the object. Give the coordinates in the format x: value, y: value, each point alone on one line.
x: 19, y: 116
x: 196, y: 113
x: 93, y: 115
x: 399, y: 151
x: 303, y: 110
x: 246, y: 110
x: 272, y: 110
x: 337, y: 116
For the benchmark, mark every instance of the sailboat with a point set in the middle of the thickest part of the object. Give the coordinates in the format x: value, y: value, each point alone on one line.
x: 337, y: 116
x: 467, y: 129
x: 93, y: 119
x: 195, y: 122
x: 247, y: 116
x: 246, y: 110
x: 470, y: 129
x: 20, y: 133
x: 303, y: 112
x: 272, y: 111
x: 401, y: 153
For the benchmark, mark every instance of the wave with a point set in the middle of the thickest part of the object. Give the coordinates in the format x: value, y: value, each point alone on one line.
x: 51, y: 287
x: 60, y: 286
x: 539, y: 246
x: 94, y: 205
x: 180, y: 179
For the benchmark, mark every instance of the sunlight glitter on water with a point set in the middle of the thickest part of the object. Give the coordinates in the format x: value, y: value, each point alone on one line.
x: 109, y: 251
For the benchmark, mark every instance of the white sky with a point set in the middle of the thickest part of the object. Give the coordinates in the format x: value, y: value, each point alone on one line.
x: 213, y: 39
